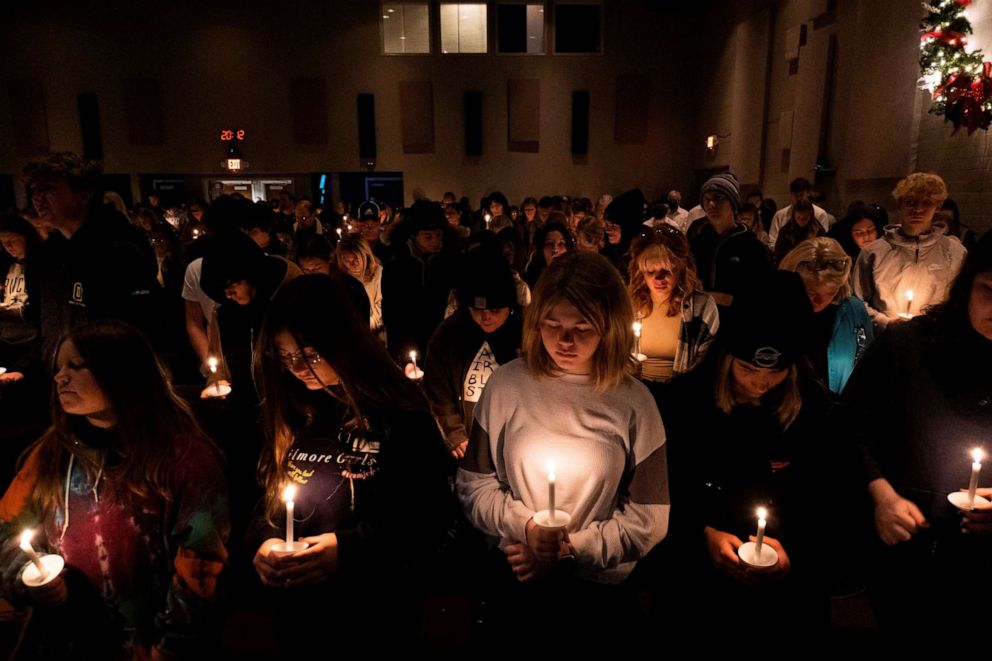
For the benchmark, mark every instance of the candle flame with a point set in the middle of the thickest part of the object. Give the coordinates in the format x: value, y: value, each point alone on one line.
x: 26, y: 536
x: 413, y: 355
x: 977, y: 455
x: 762, y: 513
x: 552, y: 472
x: 909, y: 294
x: 212, y: 363
x: 637, y: 328
x: 289, y: 493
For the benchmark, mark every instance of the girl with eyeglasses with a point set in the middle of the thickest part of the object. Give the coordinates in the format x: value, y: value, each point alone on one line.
x: 841, y: 328
x: 678, y: 320
x: 358, y: 442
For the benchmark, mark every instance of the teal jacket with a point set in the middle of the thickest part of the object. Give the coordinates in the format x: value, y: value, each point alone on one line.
x: 852, y: 334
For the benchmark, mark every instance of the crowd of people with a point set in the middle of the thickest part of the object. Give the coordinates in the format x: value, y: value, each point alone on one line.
x: 475, y: 422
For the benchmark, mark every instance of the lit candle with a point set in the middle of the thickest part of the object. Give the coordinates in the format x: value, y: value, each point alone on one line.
x: 417, y: 373
x: 488, y: 219
x: 196, y: 233
x: 212, y: 364
x: 288, y: 494
x: 32, y: 554
x: 551, y: 488
x: 759, y: 538
x: 976, y: 468
x: 909, y: 301
x: 637, y: 342
x: 339, y: 232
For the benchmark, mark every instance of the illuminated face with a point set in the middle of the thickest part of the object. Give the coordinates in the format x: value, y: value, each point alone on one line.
x: 14, y: 244
x: 351, y: 262
x: 554, y: 246
x: 489, y: 320
x: 916, y: 214
x: 752, y: 382
x: 821, y: 294
x: 241, y: 292
x: 78, y: 391
x: 569, y: 338
x: 311, y: 265
x: 980, y: 304
x: 56, y: 202
x: 543, y: 213
x: 530, y: 212
x: 659, y: 278
x: 429, y: 242
x: 496, y: 208
x: 305, y: 364
x: 197, y: 212
x: 863, y: 232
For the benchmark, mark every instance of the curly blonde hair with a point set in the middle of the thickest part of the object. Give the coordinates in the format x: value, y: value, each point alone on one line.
x: 921, y: 185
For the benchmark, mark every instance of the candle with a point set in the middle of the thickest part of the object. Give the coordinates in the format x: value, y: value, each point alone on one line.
x: 288, y: 494
x: 637, y: 342
x: 212, y: 365
x: 759, y: 538
x: 32, y: 554
x: 488, y: 218
x: 551, y: 488
x: 413, y: 359
x: 976, y: 468
x: 909, y: 301
x: 339, y: 232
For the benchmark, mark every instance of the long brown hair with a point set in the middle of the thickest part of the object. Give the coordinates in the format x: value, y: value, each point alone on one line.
x: 153, y: 424
x: 317, y: 312
x: 785, y: 400
x: 662, y: 243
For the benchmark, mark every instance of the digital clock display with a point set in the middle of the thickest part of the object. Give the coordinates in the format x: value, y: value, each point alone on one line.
x: 228, y: 135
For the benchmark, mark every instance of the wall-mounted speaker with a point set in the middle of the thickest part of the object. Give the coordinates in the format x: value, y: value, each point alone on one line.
x: 89, y: 126
x: 473, y: 123
x: 580, y: 122
x: 366, y: 126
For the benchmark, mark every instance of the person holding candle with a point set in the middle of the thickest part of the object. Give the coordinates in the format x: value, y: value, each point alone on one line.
x: 129, y: 491
x: 357, y: 440
x: 750, y: 427
x: 923, y: 397
x: 911, y: 256
x: 569, y: 400
x: 679, y: 320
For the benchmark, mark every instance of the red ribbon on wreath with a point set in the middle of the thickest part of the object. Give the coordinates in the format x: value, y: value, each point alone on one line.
x: 965, y: 97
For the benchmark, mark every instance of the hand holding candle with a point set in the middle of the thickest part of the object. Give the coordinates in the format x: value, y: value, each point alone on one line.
x: 760, y: 553
x: 416, y: 373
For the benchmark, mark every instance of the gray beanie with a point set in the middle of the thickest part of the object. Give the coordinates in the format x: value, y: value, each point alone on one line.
x: 726, y: 184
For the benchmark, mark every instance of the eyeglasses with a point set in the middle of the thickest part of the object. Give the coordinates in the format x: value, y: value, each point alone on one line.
x: 825, y: 264
x: 295, y: 361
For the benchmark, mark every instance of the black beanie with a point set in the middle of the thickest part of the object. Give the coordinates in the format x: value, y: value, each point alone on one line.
x: 486, y: 282
x: 769, y: 324
x: 230, y: 257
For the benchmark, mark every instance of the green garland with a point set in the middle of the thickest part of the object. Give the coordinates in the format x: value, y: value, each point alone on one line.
x: 959, y: 81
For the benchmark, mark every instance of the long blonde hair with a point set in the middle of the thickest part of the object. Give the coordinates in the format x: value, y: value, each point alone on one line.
x: 785, y: 399
x: 588, y: 282
x: 356, y: 245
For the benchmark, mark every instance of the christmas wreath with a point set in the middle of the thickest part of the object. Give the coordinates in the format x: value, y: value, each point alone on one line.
x: 959, y: 81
